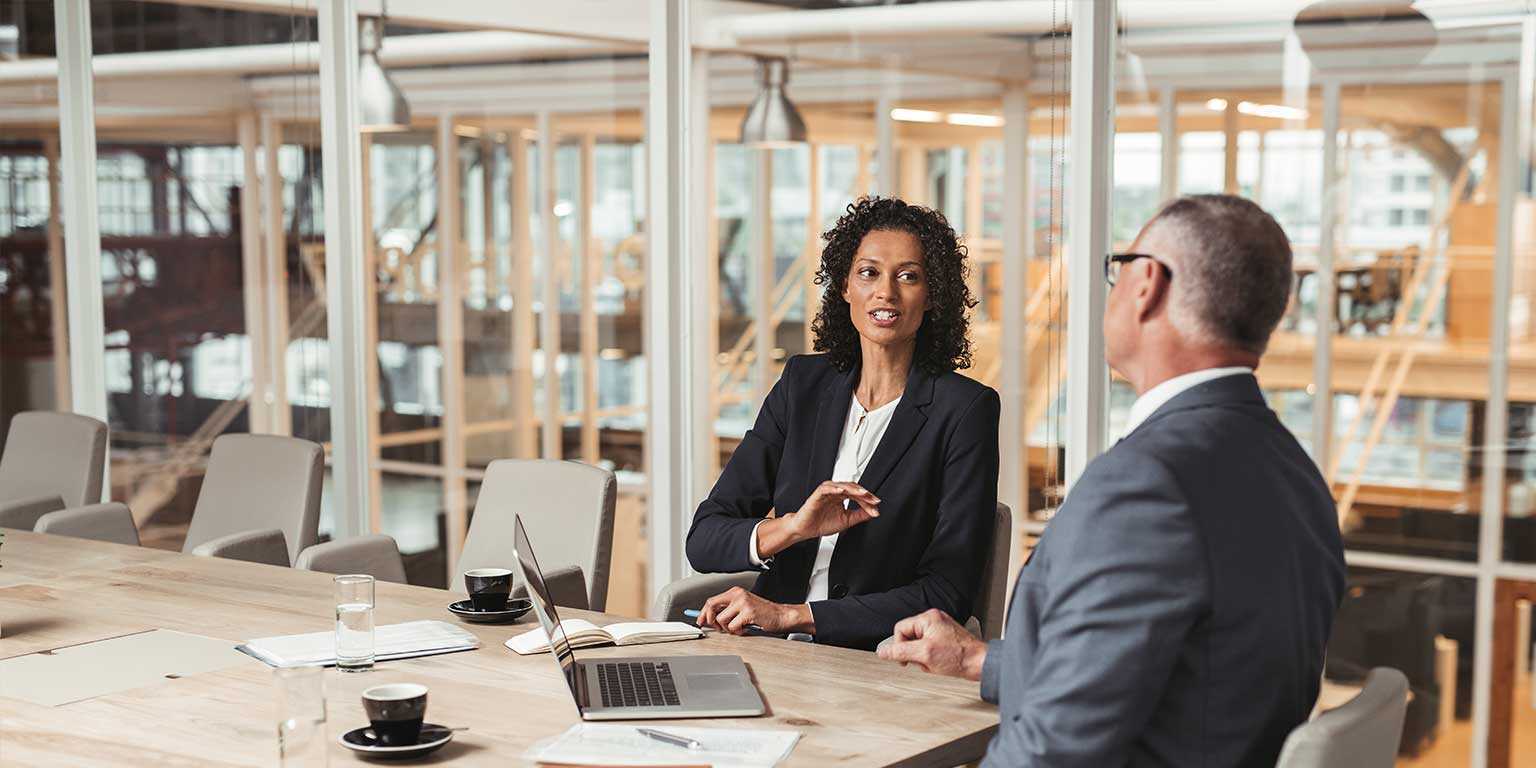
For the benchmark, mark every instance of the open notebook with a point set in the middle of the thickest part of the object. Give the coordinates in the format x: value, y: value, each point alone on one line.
x: 585, y: 634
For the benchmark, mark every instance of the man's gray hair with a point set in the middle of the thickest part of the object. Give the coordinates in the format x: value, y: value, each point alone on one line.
x: 1232, y: 278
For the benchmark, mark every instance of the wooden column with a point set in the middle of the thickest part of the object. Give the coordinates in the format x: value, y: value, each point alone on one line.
x: 370, y: 299
x: 58, y: 303
x: 524, y: 437
x: 1229, y: 128
x: 549, y: 318
x: 275, y: 274
x: 1502, y: 707
x: 254, y: 287
x: 586, y: 283
x: 450, y: 335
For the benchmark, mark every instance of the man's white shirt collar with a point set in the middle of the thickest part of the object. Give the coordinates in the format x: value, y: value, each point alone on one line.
x: 1156, y: 397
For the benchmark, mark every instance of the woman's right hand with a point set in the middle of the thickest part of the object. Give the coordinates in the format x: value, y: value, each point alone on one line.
x: 825, y: 511
x: 822, y: 514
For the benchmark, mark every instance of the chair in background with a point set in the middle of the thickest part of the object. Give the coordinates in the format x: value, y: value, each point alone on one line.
x: 991, y: 600
x: 567, y: 508
x: 103, y: 522
x: 377, y: 555
x: 260, y: 499
x: 52, y: 461
x: 1360, y: 734
x: 1392, y: 619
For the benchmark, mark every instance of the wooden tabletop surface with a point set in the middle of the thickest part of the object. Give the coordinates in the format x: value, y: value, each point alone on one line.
x: 850, y: 707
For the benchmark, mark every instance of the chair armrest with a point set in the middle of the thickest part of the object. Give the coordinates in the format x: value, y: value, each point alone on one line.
x: 102, y: 522
x: 692, y: 591
x: 567, y: 587
x: 268, y: 547
x: 22, y: 514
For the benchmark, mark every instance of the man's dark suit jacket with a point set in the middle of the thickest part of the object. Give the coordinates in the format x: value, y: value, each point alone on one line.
x: 1176, y: 609
x: 935, y: 472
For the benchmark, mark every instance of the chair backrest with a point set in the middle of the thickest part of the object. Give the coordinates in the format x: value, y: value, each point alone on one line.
x: 54, y: 453
x: 991, y: 600
x: 260, y: 481
x: 110, y: 522
x: 377, y: 555
x: 1363, y: 733
x: 567, y: 509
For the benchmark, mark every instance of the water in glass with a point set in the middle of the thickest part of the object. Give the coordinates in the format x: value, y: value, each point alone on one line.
x: 354, y: 622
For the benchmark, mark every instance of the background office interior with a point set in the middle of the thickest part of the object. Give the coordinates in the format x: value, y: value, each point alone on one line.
x: 507, y: 303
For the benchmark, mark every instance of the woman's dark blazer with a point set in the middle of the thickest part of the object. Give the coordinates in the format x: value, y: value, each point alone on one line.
x: 935, y: 472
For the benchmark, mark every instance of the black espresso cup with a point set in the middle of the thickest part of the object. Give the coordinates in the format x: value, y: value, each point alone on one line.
x: 395, y: 712
x: 488, y: 588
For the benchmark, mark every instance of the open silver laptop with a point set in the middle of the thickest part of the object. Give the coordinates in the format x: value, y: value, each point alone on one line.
x: 643, y: 687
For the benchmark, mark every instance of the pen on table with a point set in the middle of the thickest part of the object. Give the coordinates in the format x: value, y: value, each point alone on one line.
x: 692, y: 613
x: 667, y: 738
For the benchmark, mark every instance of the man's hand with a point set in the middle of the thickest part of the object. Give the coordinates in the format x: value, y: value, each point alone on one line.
x: 736, y: 608
x: 933, y: 641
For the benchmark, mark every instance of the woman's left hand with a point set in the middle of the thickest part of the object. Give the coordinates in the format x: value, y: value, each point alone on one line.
x: 735, y: 609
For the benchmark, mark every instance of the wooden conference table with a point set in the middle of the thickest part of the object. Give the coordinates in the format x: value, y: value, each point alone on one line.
x: 850, y: 707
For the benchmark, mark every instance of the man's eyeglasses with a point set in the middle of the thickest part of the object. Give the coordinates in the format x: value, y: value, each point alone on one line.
x: 1112, y: 262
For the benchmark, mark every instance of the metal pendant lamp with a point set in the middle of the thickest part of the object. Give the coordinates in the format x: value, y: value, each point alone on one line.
x: 772, y: 120
x: 381, y: 106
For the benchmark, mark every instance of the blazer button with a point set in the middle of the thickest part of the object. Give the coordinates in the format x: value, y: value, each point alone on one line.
x: 839, y: 591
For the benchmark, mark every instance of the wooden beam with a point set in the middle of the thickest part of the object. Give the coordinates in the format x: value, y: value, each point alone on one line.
x: 549, y: 317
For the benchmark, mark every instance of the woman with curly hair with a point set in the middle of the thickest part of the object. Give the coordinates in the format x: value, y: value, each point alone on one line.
x: 865, y: 491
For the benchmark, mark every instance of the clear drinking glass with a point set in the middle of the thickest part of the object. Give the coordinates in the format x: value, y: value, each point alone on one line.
x: 301, y: 739
x: 354, y: 622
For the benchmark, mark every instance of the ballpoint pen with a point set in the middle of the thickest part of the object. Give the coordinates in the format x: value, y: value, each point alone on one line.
x: 667, y: 738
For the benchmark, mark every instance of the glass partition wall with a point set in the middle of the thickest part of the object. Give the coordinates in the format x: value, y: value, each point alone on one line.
x: 516, y: 304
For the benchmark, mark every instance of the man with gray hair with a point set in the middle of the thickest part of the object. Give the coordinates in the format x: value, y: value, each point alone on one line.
x: 1176, y: 609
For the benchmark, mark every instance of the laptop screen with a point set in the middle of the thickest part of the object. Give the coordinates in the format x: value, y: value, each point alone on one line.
x: 522, y: 551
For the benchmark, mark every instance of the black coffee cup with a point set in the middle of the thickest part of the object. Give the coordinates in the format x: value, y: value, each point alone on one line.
x: 488, y: 588
x: 395, y: 712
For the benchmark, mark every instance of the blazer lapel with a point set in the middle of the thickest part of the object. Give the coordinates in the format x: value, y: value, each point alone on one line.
x: 906, y: 422
x: 831, y: 414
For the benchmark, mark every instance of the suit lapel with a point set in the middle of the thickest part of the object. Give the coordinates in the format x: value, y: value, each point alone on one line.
x: 906, y: 422
x: 831, y: 414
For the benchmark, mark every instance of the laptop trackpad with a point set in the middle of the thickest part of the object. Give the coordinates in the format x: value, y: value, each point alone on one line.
x: 710, y: 682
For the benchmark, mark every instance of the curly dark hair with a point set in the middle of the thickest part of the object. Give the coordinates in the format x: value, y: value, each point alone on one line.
x: 943, y: 344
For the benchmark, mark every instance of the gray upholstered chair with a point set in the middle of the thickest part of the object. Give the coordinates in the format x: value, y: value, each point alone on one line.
x: 991, y: 607
x: 377, y: 555
x: 1362, y: 733
x: 102, y: 522
x: 567, y: 508
x: 991, y: 601
x: 691, y: 592
x: 52, y: 461
x: 260, y: 499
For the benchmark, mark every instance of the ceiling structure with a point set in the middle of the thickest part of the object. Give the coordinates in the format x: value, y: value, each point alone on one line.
x: 482, y: 62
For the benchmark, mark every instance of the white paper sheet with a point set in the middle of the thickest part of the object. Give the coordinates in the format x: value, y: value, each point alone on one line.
x: 85, y: 671
x: 390, y: 641
x: 611, y: 744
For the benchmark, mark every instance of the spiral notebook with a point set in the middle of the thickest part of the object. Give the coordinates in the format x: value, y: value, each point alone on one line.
x: 390, y: 641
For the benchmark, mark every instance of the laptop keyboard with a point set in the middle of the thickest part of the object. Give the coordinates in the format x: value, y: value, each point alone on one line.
x: 636, y: 684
